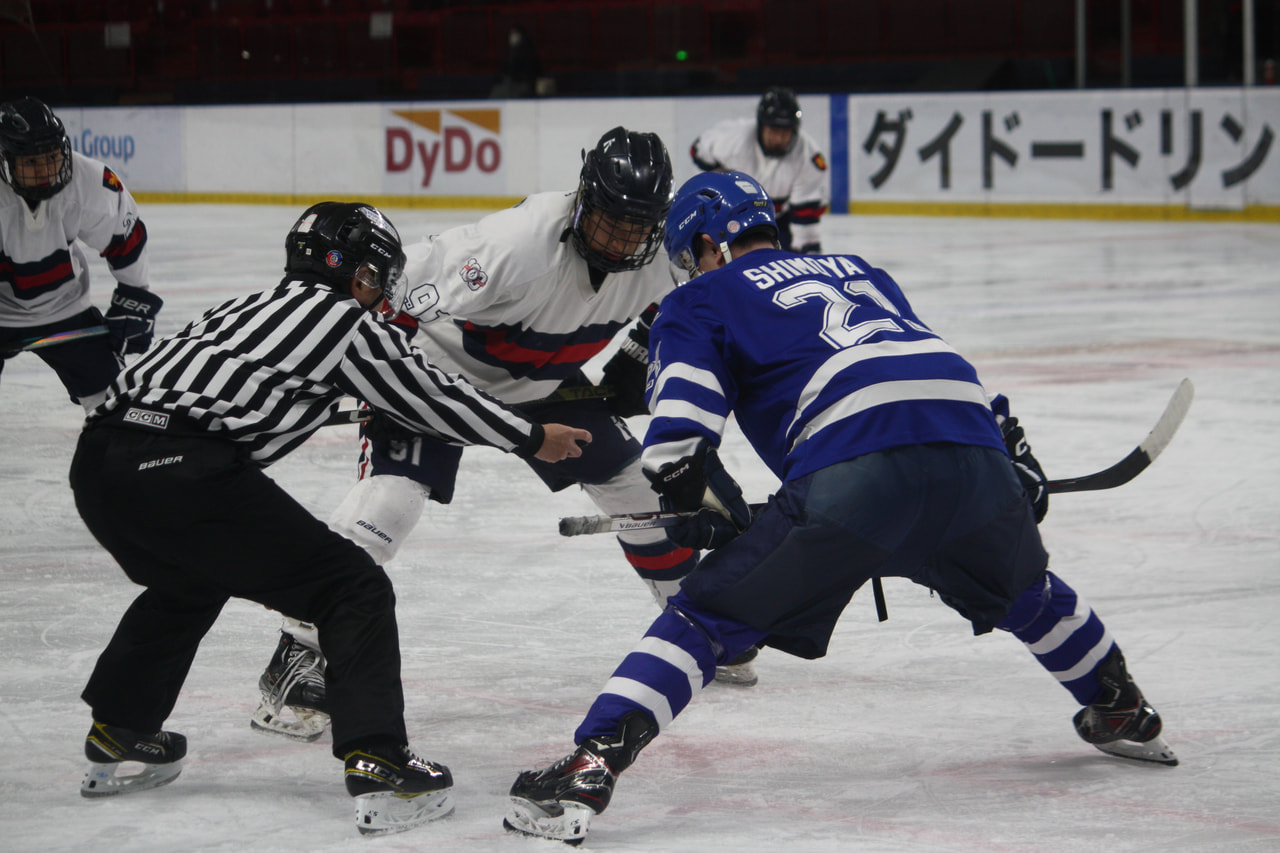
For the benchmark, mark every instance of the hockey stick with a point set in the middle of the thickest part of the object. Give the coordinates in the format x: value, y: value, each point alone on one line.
x: 1117, y: 475
x: 1142, y: 456
x: 560, y: 395
x: 50, y: 340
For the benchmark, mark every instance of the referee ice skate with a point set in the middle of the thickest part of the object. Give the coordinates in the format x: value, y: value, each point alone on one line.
x: 168, y: 476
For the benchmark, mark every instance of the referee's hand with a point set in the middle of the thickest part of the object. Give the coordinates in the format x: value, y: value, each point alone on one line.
x: 561, y: 442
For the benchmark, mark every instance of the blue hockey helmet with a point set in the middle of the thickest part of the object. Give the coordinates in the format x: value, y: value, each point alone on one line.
x: 722, y: 205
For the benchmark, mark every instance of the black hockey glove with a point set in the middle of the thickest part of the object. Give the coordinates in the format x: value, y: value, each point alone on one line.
x: 811, y: 249
x: 1029, y: 470
x: 628, y: 370
x: 700, y: 484
x: 382, y: 428
x: 131, y: 319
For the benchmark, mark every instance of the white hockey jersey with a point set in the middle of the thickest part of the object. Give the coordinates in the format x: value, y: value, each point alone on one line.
x: 44, y: 275
x: 797, y: 182
x: 507, y: 301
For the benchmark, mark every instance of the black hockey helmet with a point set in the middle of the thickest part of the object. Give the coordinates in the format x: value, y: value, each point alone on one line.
x: 624, y: 193
x: 778, y: 108
x: 334, y: 241
x: 29, y: 128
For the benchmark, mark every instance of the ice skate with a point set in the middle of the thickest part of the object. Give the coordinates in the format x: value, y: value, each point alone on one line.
x: 741, y: 671
x: 1122, y: 722
x: 107, y: 747
x: 293, y: 695
x: 395, y: 790
x: 558, y: 801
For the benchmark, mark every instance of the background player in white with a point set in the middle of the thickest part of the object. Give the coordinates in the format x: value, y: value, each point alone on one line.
x: 892, y: 464
x: 782, y: 157
x: 50, y: 198
x: 517, y: 303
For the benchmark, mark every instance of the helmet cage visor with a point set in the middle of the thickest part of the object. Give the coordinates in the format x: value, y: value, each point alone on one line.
x: 616, y: 242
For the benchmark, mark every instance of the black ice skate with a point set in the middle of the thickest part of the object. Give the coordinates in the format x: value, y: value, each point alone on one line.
x: 396, y: 790
x: 558, y: 801
x: 293, y: 682
x: 739, y: 672
x: 1122, y: 722
x: 108, y: 747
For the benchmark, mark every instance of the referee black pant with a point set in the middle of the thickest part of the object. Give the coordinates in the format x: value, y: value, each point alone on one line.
x: 195, y: 522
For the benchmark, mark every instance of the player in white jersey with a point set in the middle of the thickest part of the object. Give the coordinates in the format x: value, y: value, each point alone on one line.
x: 51, y: 200
x: 892, y: 465
x: 783, y: 158
x: 517, y: 303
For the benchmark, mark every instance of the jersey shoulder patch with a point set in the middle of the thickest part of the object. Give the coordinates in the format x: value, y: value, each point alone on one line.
x: 820, y: 162
x: 110, y: 181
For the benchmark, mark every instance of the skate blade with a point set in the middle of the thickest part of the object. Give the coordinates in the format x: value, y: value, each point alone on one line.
x: 528, y: 818
x: 742, y: 675
x: 102, y: 781
x: 306, y: 725
x: 386, y: 812
x: 1154, y: 750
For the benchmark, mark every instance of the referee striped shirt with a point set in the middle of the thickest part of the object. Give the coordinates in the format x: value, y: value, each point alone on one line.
x: 267, y: 370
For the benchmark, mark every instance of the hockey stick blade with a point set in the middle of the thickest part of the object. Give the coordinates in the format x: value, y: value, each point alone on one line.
x: 1117, y: 475
x: 1142, y: 456
x: 52, y: 340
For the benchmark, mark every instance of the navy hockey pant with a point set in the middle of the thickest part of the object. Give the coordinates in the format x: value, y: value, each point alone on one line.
x: 196, y: 523
x: 950, y: 517
x: 86, y: 367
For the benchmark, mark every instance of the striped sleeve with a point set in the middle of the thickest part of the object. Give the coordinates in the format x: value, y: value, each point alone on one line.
x: 382, y: 368
x: 690, y: 398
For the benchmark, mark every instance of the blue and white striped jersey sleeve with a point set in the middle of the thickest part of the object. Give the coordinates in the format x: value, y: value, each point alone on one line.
x: 690, y: 396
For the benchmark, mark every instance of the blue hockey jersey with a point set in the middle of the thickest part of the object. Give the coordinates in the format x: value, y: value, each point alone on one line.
x: 820, y: 358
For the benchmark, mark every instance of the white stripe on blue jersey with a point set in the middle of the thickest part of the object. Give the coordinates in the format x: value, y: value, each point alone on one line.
x: 821, y: 359
x: 268, y: 369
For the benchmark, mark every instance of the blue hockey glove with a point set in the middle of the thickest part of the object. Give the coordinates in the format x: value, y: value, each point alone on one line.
x: 699, y: 483
x: 131, y: 319
x: 1029, y: 471
x: 628, y: 370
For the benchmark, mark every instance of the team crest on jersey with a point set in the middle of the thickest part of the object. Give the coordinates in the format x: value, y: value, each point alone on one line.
x: 820, y: 162
x: 110, y: 181
x: 333, y: 258
x: 474, y: 277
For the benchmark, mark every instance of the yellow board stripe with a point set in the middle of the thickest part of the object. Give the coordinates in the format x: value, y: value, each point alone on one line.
x: 387, y: 201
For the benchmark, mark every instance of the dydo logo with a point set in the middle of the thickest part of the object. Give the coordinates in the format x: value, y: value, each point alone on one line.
x: 454, y: 141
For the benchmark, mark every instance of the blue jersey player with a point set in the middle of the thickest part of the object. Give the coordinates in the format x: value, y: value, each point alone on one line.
x: 892, y: 462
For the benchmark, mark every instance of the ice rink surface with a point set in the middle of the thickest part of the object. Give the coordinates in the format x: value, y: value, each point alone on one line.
x: 909, y: 736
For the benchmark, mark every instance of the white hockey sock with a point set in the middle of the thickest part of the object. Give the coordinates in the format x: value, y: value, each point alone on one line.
x: 303, y: 632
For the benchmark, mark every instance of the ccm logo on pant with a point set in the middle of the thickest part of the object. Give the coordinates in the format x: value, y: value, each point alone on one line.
x: 156, y: 463
x: 155, y: 420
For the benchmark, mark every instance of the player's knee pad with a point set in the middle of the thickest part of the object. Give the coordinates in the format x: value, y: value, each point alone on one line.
x: 379, y: 512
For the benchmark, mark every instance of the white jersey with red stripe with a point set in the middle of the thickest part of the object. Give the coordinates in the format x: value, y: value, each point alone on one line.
x: 797, y: 181
x: 508, y: 302
x: 44, y: 275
